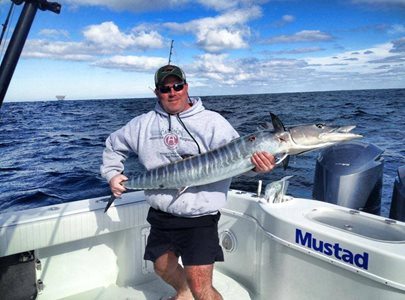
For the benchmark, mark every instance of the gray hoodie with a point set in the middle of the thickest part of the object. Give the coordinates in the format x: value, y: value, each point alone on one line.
x: 158, y: 139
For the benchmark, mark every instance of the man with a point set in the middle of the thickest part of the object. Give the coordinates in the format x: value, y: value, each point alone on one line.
x: 182, y: 225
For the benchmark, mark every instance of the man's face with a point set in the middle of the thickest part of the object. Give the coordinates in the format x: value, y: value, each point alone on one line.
x: 173, y: 101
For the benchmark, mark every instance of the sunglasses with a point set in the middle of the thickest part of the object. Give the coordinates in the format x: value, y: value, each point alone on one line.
x: 164, y: 89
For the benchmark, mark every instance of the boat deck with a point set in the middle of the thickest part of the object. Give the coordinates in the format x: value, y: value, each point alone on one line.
x: 156, y: 289
x: 269, y: 248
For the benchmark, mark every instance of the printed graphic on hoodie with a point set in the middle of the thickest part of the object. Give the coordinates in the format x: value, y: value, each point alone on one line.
x: 171, y: 140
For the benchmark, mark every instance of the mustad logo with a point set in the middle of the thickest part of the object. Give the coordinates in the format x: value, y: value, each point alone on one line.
x: 345, y: 255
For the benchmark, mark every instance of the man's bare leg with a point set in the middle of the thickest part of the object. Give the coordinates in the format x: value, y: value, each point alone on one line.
x: 168, y: 268
x: 199, y: 279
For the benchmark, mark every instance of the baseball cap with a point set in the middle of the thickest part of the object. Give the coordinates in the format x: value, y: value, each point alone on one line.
x: 168, y: 70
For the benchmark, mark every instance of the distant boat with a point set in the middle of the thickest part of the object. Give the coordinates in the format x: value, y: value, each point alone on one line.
x: 60, y: 97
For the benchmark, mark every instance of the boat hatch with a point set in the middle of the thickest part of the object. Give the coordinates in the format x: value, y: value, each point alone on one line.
x: 386, y: 230
x: 17, y: 274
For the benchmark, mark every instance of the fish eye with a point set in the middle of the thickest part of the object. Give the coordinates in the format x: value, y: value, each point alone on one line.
x: 320, y: 125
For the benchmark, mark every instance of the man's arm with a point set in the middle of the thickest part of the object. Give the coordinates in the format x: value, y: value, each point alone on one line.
x: 116, y: 151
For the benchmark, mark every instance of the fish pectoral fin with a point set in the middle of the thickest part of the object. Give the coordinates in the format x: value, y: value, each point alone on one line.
x: 285, y: 162
x: 284, y: 159
x: 181, y: 191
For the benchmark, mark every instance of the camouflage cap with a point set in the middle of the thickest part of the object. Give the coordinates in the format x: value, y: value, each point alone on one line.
x: 168, y: 70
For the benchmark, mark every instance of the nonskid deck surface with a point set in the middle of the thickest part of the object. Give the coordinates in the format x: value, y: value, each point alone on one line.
x: 156, y: 289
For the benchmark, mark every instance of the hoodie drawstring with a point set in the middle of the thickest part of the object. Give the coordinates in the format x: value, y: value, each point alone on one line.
x: 184, y: 126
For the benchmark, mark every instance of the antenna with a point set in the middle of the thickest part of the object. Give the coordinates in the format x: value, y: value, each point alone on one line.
x: 170, y: 54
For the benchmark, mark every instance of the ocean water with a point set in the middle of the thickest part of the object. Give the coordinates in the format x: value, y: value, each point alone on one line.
x: 50, y: 151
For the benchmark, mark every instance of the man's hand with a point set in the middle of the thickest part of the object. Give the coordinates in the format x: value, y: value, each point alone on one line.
x: 116, y: 185
x: 264, y: 162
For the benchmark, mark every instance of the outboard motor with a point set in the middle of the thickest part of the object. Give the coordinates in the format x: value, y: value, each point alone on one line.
x: 350, y: 174
x: 397, y: 210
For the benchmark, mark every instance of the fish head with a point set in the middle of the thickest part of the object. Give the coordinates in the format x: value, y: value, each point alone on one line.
x: 310, y: 137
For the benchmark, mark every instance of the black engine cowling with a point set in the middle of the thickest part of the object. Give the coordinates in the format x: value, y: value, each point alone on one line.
x: 398, y: 196
x: 350, y: 174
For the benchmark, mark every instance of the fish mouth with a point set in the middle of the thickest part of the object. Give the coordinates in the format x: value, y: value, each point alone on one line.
x: 340, y: 134
x: 345, y: 129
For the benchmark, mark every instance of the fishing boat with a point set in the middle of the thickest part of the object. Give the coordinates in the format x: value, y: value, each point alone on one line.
x: 60, y: 97
x: 292, y: 249
x: 276, y: 246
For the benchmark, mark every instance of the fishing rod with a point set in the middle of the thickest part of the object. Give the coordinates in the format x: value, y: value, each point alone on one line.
x: 5, y: 25
x: 170, y: 54
x: 19, y: 37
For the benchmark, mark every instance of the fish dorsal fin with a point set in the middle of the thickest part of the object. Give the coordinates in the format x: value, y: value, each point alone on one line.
x: 277, y: 124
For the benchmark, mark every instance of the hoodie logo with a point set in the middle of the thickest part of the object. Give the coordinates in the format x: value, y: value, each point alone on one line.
x: 171, y: 140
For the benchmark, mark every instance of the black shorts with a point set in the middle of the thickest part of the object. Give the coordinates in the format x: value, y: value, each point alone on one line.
x: 195, y: 240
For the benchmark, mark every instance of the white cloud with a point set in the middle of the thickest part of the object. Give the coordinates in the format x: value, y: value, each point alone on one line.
x: 221, y: 5
x: 229, y: 19
x: 398, y: 46
x: 302, y: 36
x: 156, y: 5
x: 297, y: 50
x: 108, y: 36
x: 220, y: 70
x: 286, y: 19
x: 351, y: 69
x: 213, y: 63
x: 131, y: 63
x: 100, y: 39
x: 393, y: 60
x: 220, y: 39
x: 397, y: 29
x: 145, y: 40
x: 74, y: 51
x: 54, y: 33
x: 363, y: 61
x: 226, y: 31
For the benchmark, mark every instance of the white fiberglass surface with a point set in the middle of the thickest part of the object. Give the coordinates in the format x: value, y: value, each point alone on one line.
x: 156, y: 289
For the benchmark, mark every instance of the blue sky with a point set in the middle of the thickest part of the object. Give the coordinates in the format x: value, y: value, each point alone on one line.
x: 97, y: 49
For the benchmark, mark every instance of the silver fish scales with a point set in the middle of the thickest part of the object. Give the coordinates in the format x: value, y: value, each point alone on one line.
x: 234, y: 158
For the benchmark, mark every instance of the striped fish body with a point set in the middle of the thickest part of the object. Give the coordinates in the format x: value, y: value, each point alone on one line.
x: 224, y: 162
x: 234, y: 158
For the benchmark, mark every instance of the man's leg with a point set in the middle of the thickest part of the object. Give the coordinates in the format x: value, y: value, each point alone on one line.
x: 168, y: 268
x: 199, y: 279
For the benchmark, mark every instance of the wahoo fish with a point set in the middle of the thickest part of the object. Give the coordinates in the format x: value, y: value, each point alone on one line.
x: 234, y: 158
